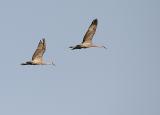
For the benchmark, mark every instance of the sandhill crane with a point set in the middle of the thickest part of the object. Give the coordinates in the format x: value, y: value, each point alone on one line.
x: 87, y: 40
x: 37, y: 58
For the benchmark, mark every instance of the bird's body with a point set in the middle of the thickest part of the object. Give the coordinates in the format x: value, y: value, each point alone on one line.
x: 87, y: 40
x: 37, y: 58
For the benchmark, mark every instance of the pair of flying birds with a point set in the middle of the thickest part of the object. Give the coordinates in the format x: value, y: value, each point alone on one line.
x: 37, y: 58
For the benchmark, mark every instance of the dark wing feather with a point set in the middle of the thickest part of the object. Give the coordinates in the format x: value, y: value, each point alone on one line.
x: 90, y: 32
x: 38, y: 54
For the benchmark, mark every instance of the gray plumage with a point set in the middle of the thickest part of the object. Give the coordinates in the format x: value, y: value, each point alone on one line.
x: 87, y: 40
x: 37, y: 58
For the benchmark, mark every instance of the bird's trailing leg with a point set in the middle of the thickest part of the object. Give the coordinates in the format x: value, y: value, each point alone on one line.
x: 51, y: 63
x: 98, y: 46
x: 104, y: 47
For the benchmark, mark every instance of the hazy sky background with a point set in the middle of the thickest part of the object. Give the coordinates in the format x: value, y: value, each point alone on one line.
x: 123, y: 80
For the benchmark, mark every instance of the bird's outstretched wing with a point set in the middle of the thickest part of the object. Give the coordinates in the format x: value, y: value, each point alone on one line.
x: 38, y: 54
x: 90, y: 32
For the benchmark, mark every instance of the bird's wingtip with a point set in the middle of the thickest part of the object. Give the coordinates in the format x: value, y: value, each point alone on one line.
x: 43, y: 39
x: 95, y: 20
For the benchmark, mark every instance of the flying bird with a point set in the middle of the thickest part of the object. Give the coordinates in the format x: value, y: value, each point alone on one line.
x: 37, y: 58
x: 87, y: 40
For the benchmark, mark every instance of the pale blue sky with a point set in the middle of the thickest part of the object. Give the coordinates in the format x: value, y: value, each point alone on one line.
x: 123, y: 80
